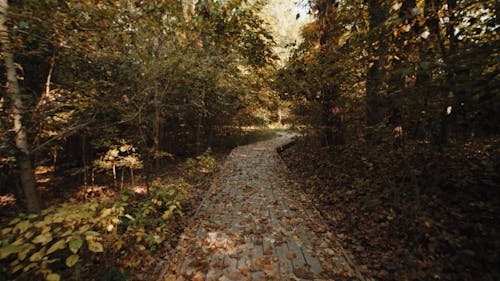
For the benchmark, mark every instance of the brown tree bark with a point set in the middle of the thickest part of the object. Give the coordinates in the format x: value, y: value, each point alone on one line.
x: 156, y: 128
x: 442, y: 136
x: 444, y: 130
x: 23, y: 155
x: 377, y: 14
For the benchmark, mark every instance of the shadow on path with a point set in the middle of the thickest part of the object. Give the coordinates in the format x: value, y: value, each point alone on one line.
x: 256, y: 224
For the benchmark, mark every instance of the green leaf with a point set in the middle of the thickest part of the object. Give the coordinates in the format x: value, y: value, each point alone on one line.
x: 56, y: 246
x: 30, y: 266
x: 168, y: 213
x: 72, y: 260
x: 26, y: 249
x: 105, y: 212
x: 43, y: 238
x: 40, y: 224
x: 10, y: 249
x: 92, y: 233
x: 17, y: 268
x: 14, y: 221
x: 32, y: 216
x: 22, y: 226
x: 18, y: 242
x: 23, y: 24
x: 75, y: 245
x: 15, y: 262
x: 6, y: 231
x: 129, y: 217
x: 406, y: 71
x: 425, y: 65
x: 38, y: 255
x: 29, y: 234
x: 53, y: 277
x: 95, y: 246
x: 83, y: 228
x: 67, y: 233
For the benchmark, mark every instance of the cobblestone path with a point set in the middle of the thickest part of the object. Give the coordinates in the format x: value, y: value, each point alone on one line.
x: 256, y: 224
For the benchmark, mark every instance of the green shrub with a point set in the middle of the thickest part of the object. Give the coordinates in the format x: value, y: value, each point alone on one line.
x: 64, y: 239
x: 204, y: 164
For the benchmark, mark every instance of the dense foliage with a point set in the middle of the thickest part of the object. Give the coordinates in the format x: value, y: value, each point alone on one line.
x: 101, y: 97
x: 117, y: 233
x: 400, y: 100
x: 70, y: 235
x: 424, y: 69
x: 157, y: 78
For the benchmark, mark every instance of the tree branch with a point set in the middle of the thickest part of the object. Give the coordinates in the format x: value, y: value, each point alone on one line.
x: 61, y: 135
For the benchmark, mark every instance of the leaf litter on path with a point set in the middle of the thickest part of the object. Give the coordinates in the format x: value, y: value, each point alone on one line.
x: 256, y: 224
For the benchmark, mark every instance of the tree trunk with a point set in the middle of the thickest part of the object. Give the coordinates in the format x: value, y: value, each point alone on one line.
x: 132, y: 179
x: 115, y: 185
x: 449, y: 93
x: 198, y: 135
x: 84, y: 160
x: 423, y: 128
x: 327, y: 124
x: 397, y: 84
x: 377, y: 14
x: 26, y: 171
x: 122, y: 179
x: 54, y: 157
x: 156, y: 129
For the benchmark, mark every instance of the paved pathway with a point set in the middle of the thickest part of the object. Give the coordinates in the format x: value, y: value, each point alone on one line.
x: 255, y: 224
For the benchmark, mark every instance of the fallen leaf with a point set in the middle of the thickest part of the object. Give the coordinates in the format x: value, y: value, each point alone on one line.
x: 302, y: 272
x: 291, y: 255
x: 235, y: 275
x: 198, y: 277
x: 244, y: 269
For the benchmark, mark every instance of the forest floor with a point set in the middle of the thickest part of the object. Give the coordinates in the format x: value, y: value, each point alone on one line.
x: 257, y: 224
x: 440, y: 223
x: 141, y: 260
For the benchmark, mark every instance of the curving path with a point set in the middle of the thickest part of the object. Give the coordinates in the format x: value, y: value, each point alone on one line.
x: 256, y: 224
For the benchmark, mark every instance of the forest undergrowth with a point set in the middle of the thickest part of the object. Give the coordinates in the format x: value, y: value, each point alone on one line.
x: 409, y: 213
x: 103, y: 233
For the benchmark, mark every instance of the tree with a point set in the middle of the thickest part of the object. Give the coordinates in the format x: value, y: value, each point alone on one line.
x: 18, y: 112
x: 377, y: 15
x: 417, y: 82
x: 165, y: 77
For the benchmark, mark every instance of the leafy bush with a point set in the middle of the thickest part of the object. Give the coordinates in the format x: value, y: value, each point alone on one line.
x: 76, y: 235
x: 123, y: 155
x: 204, y: 163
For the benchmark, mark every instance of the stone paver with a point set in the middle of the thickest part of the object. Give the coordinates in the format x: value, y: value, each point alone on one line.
x: 256, y: 224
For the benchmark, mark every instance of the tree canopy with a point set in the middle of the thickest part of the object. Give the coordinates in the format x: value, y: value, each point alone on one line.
x: 162, y: 76
x: 397, y: 102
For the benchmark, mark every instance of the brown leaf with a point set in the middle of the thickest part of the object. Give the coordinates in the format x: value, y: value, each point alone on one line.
x: 244, y: 269
x: 219, y: 244
x: 303, y: 273
x: 267, y: 266
x: 235, y: 275
x: 268, y: 250
x: 198, y: 277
